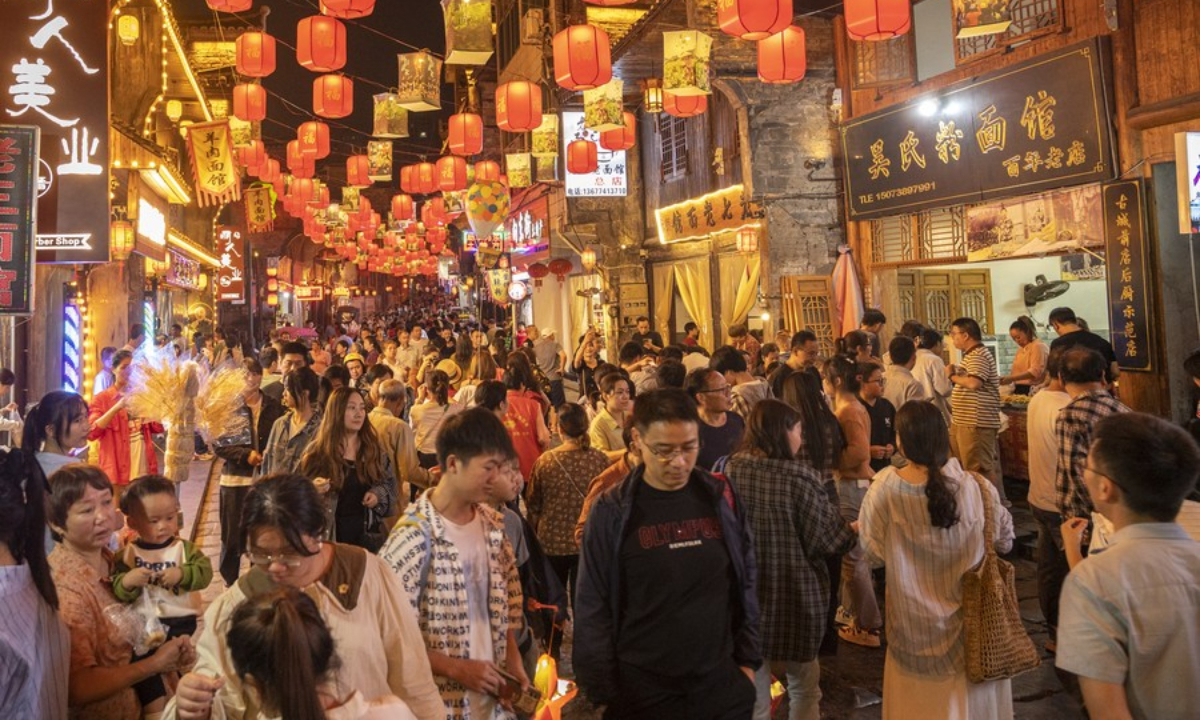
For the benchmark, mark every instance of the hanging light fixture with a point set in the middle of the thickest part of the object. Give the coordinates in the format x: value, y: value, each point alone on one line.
x: 174, y: 110
x: 518, y: 106
x: 781, y: 57
x: 487, y: 171
x: 255, y: 54
x: 582, y: 57
x: 321, y: 44
x: 582, y: 157
x: 747, y: 240
x: 122, y: 238
x: 348, y: 9
x: 129, y: 29
x: 874, y: 20
x: 684, y: 106
x: 652, y: 95
x: 452, y: 173
x: 466, y: 133
x: 357, y: 174
x: 249, y: 102
x: 314, y: 139
x: 333, y: 96
x: 425, y: 178
x: 754, y: 19
x: 588, y: 259
x: 624, y: 137
x: 252, y: 156
x: 402, y: 207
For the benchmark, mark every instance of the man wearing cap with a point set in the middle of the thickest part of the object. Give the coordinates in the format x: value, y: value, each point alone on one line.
x: 551, y: 359
x: 357, y: 366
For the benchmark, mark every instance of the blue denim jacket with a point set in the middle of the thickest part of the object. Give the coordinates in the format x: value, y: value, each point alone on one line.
x: 283, y: 453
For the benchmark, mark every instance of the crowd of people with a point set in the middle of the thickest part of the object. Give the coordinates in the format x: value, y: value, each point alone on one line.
x: 419, y: 508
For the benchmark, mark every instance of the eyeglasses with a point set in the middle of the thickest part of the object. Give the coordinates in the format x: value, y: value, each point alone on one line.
x: 288, y: 560
x: 666, y: 456
x: 723, y: 389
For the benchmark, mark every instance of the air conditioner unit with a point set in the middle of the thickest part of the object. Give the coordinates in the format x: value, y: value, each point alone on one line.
x: 532, y: 27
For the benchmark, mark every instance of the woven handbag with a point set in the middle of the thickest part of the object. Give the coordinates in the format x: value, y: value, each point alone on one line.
x: 997, y: 645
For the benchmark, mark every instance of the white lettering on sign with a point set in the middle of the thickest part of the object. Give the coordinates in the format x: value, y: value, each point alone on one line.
x: 67, y: 241
x: 151, y: 223
x: 609, y: 179
x: 526, y: 229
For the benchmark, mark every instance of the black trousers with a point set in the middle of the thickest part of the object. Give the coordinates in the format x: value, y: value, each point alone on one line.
x: 153, y: 688
x: 233, y: 535
x: 722, y: 694
x: 1052, y: 567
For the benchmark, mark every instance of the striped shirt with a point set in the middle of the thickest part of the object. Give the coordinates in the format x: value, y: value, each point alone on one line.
x: 1074, y: 428
x: 977, y: 408
x: 35, y: 650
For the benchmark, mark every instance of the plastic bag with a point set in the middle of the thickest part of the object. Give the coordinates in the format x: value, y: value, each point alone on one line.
x: 138, y: 624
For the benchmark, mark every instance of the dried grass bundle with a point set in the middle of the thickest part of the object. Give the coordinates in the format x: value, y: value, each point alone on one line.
x: 161, y: 388
x: 219, y: 402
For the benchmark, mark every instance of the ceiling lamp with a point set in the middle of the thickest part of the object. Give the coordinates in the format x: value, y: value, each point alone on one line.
x: 684, y: 106
x: 518, y: 106
x: 652, y: 95
x: 255, y: 54
x: 357, y: 174
x: 582, y: 57
x: 402, y: 207
x: 321, y: 43
x: 129, y: 29
x: 487, y: 171
x: 754, y: 19
x: 347, y: 8
x: 333, y: 96
x: 174, y: 110
x: 466, y: 134
x: 582, y: 157
x: 781, y: 57
x: 314, y: 139
x: 873, y: 20
x: 623, y: 138
x: 249, y: 102
x: 452, y: 173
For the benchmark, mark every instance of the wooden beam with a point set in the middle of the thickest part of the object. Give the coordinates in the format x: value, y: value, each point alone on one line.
x: 1177, y: 109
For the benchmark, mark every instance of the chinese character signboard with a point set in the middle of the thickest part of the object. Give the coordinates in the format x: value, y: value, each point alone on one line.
x: 54, y: 72
x: 1031, y: 127
x: 723, y: 211
x: 182, y: 271
x: 308, y: 293
x: 1128, y: 274
x: 528, y: 232
x: 609, y: 178
x: 260, y: 211
x: 18, y: 219
x: 231, y: 281
x: 217, y: 180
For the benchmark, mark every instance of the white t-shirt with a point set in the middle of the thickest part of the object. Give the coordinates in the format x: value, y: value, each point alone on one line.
x: 1043, y: 446
x: 471, y: 542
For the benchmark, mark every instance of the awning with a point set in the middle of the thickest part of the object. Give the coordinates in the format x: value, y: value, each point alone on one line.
x: 180, y: 242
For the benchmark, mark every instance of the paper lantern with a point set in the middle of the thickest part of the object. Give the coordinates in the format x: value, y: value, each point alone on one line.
x: 747, y: 240
x: 321, y: 43
x: 602, y: 106
x: 129, y: 29
x: 357, y: 174
x: 333, y: 96
x: 873, y: 20
x: 468, y: 31
x: 487, y: 207
x: 518, y: 106
x: 687, y: 61
x: 379, y: 153
x: 229, y: 6
x: 451, y: 174
x: 407, y: 173
x: 466, y: 134
x: 781, y: 57
x: 122, y: 239
x: 622, y: 138
x: 520, y: 170
x: 588, y: 259
x: 684, y: 106
x: 487, y: 171
x: 432, y: 216
x: 255, y: 54
x: 390, y: 119
x: 402, y: 207
x: 307, y: 170
x: 582, y: 157
x: 249, y: 102
x: 561, y: 267
x: 652, y: 95
x: 174, y: 110
x: 314, y: 139
x: 425, y: 178
x: 252, y: 156
x: 420, y: 82
x: 754, y: 19
x: 269, y: 172
x: 582, y: 57
x: 347, y: 8
x: 545, y: 137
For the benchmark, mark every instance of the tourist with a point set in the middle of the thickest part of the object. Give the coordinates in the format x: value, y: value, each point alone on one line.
x: 881, y: 412
x: 451, y: 553
x: 137, y: 336
x: 691, y: 334
x: 358, y: 597
x: 924, y: 522
x: 432, y: 409
x: 587, y: 360
x: 638, y: 365
x: 741, y: 339
x: 929, y: 369
x: 398, y: 440
x: 687, y: 642
x: 356, y: 366
x: 492, y: 395
x: 975, y: 404
x: 557, y: 487
x: 1072, y: 333
x: 617, y: 392
x: 525, y: 418
x: 292, y: 433
x: 612, y: 476
x: 56, y: 429
x: 649, y: 340
x: 104, y: 378
x: 552, y: 360
x: 872, y: 324
x: 796, y: 528
x: 482, y: 368
x: 857, y: 346
x: 911, y: 331
x: 720, y: 428
x: 293, y: 357
x: 272, y: 378
x: 1130, y: 615
x: 350, y: 466
x: 747, y: 390
x: 126, y: 446
x: 670, y: 372
x: 899, y: 384
x: 102, y: 678
x: 805, y: 353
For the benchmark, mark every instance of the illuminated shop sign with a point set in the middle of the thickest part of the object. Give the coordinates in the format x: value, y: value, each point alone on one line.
x: 610, y: 177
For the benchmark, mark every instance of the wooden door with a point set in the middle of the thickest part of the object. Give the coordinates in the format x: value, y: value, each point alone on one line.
x: 808, y: 305
x: 935, y: 298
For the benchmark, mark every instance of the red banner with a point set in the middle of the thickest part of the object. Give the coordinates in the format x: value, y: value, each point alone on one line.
x: 18, y: 211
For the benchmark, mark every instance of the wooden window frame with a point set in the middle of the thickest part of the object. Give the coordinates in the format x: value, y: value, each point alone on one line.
x: 1006, y: 40
x: 672, y: 143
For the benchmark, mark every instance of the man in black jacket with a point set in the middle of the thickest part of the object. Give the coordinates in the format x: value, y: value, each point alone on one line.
x: 666, y: 618
x: 242, y: 453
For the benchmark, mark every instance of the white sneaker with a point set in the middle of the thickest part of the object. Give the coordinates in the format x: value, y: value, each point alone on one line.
x: 843, y: 618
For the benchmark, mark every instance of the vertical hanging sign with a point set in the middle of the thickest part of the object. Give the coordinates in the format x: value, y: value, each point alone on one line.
x: 18, y: 217
x: 260, y: 211
x: 1128, y: 267
x: 211, y: 148
x: 231, y: 280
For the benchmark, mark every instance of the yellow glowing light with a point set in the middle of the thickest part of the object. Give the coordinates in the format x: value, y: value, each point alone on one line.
x: 128, y: 29
x: 174, y: 110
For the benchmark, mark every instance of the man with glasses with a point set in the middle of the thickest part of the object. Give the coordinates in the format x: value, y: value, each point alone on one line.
x: 975, y: 404
x: 666, y: 621
x: 720, y: 428
x: 882, y: 414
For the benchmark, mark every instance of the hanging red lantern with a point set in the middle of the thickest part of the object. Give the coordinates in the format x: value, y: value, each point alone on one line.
x: 268, y: 171
x: 425, y: 178
x: 781, y: 57
x: 452, y: 173
x: 333, y: 96
x: 314, y: 139
x: 347, y: 8
x: 294, y: 157
x: 356, y: 171
x: 466, y: 134
x: 229, y: 6
x: 872, y: 20
x: 684, y: 106
x: 406, y: 179
x: 252, y: 156
x: 582, y: 57
x: 561, y: 267
x: 518, y: 106
x: 402, y: 207
x: 487, y: 171
x: 249, y: 102
x: 754, y: 19
x: 304, y: 190
x: 432, y: 216
x: 255, y: 54
x: 321, y: 43
x: 623, y: 138
x: 582, y: 157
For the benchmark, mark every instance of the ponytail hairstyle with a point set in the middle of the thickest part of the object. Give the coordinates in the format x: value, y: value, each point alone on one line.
x: 23, y: 500
x: 1025, y: 325
x: 438, y: 384
x: 850, y: 343
x: 57, y: 409
x: 281, y: 641
x: 925, y: 441
x: 842, y: 372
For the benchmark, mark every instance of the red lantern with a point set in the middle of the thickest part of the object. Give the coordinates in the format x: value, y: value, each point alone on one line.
x: 622, y: 138
x: 582, y: 157
x: 249, y: 102
x: 304, y: 190
x: 518, y: 106
x: 466, y: 134
x: 452, y: 173
x: 356, y: 171
x: 561, y: 267
x: 684, y: 106
x: 255, y: 54
x: 252, y: 156
x: 781, y: 57
x: 582, y: 57
x: 347, y: 8
x: 294, y: 157
x: 333, y: 96
x: 321, y: 43
x: 487, y: 171
x: 425, y: 178
x: 406, y: 179
x: 402, y: 207
x: 314, y: 139
x: 877, y: 19
x: 268, y: 171
x: 432, y: 215
x: 754, y: 19
x: 229, y: 6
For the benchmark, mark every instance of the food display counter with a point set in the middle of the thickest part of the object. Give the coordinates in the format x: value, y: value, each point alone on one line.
x: 1014, y: 441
